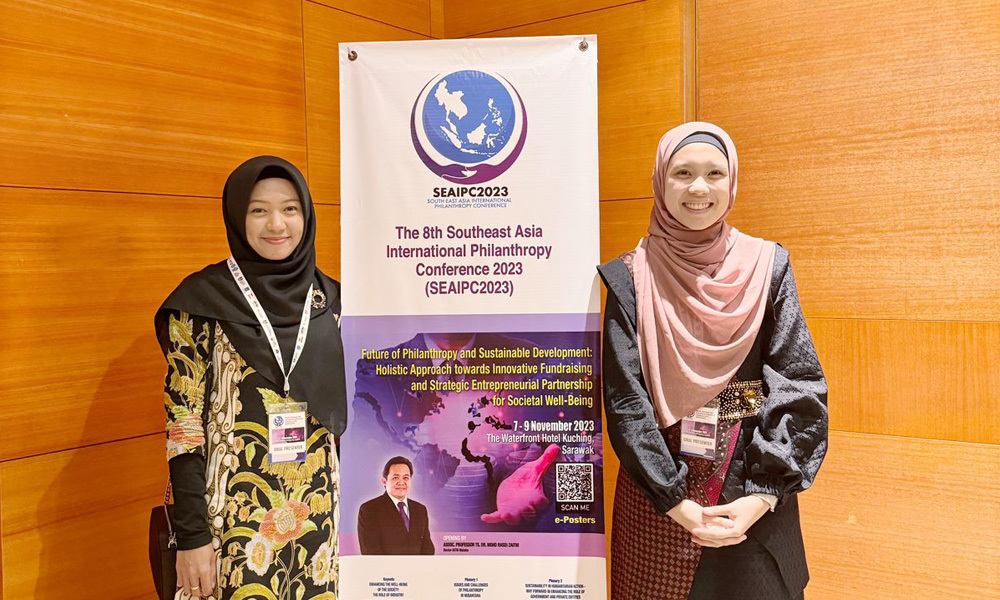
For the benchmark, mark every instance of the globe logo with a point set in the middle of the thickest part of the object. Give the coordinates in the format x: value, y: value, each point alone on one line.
x: 468, y: 116
x: 468, y: 126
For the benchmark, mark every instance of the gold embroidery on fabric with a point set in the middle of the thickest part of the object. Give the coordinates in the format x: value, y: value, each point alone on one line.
x: 741, y: 399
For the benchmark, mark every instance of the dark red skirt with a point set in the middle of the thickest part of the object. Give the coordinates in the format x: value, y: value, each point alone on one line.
x: 652, y: 556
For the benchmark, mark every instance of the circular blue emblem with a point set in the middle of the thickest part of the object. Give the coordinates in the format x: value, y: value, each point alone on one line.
x: 278, y: 421
x: 468, y: 116
x: 468, y: 126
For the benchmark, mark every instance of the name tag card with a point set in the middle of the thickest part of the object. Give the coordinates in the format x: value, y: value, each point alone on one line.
x: 287, y: 432
x: 699, y: 430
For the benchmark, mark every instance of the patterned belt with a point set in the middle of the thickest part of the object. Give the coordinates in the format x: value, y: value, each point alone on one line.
x: 740, y: 399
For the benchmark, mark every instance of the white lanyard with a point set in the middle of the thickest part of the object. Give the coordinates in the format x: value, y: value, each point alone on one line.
x: 265, y: 323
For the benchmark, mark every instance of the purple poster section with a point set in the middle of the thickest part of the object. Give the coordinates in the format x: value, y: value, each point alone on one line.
x: 500, y: 417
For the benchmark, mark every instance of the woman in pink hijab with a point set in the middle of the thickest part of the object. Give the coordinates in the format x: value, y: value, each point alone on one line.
x: 715, y: 399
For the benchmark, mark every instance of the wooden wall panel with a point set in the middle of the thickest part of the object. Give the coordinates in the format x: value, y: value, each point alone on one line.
x: 79, y: 362
x: 75, y: 523
x: 865, y: 147
x: 147, y: 97
x: 464, y: 18
x: 1, y: 537
x: 897, y: 519
x: 640, y: 85
x: 413, y: 15
x: 912, y: 378
x: 328, y: 240
x: 323, y: 29
x: 437, y: 19
x: 623, y: 224
x: 862, y: 144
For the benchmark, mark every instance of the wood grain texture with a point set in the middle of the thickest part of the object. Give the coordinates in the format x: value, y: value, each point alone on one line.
x: 640, y: 85
x: 912, y: 378
x: 324, y: 28
x: 864, y: 147
x: 464, y: 18
x: 1, y: 536
x: 79, y: 363
x: 328, y: 240
x: 898, y: 519
x: 147, y: 97
x: 75, y: 523
x: 413, y: 15
x: 437, y: 19
x: 623, y: 224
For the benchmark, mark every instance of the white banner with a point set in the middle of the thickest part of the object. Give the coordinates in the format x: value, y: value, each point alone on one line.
x: 470, y: 230
x: 542, y: 160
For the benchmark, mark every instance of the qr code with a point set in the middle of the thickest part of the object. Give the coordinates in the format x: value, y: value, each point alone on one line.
x: 574, y: 482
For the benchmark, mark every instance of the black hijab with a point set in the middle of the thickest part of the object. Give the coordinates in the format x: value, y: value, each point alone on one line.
x: 281, y: 286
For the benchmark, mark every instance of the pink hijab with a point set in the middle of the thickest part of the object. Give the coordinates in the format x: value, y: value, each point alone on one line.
x: 700, y: 295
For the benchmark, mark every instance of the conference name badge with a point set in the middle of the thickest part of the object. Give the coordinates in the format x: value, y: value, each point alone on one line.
x: 699, y: 431
x: 286, y: 432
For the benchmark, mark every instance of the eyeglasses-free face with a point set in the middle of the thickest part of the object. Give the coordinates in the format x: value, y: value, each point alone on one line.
x: 274, y: 218
x: 697, y: 186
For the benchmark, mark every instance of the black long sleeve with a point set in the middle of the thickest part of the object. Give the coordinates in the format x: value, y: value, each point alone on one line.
x: 790, y: 438
x: 190, y: 515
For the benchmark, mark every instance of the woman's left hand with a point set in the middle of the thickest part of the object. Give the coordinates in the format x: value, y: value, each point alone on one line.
x: 743, y: 512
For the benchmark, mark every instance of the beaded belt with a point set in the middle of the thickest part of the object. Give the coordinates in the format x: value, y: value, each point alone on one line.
x: 740, y: 399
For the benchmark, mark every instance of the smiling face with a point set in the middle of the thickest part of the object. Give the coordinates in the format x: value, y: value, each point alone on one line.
x: 274, y: 218
x: 696, y: 190
x: 398, y: 482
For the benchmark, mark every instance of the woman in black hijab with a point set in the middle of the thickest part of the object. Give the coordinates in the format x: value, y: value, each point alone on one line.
x: 246, y: 340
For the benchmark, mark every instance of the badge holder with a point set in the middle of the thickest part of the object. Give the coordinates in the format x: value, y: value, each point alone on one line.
x: 287, y: 432
x: 699, y: 432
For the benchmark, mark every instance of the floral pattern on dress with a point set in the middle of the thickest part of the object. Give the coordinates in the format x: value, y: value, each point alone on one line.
x: 273, y: 525
x: 184, y: 393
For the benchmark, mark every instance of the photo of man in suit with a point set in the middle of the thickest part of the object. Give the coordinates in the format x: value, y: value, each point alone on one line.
x: 394, y: 523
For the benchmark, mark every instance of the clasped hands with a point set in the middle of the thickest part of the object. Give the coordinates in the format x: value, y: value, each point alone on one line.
x: 722, y: 525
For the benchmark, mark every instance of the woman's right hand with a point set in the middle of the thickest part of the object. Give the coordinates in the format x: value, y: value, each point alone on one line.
x: 196, y: 571
x: 690, y: 515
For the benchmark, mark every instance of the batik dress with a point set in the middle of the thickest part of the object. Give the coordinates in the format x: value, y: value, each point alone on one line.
x: 274, y: 527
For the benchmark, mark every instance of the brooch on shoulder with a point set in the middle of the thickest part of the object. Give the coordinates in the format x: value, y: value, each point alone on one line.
x: 318, y: 299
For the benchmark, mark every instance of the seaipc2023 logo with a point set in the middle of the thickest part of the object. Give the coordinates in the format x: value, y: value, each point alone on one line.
x: 467, y: 127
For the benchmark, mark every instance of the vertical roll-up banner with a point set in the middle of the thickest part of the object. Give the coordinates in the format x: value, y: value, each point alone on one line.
x: 471, y: 321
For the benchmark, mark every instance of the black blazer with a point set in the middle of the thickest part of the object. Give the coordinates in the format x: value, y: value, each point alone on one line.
x: 778, y: 452
x: 381, y: 530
